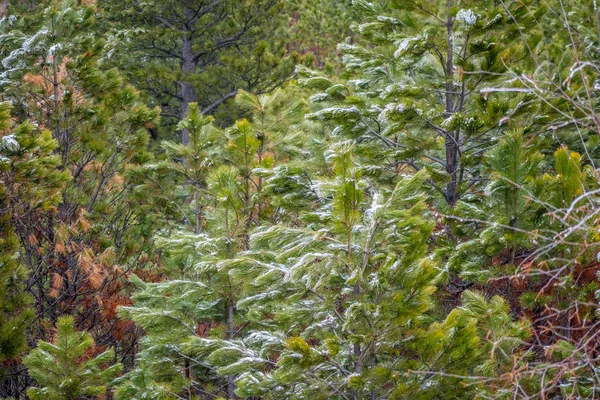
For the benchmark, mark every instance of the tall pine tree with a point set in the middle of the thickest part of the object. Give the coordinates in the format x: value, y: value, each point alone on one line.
x: 343, y: 307
x: 30, y: 182
x: 77, y: 252
x: 200, y: 51
x: 413, y: 97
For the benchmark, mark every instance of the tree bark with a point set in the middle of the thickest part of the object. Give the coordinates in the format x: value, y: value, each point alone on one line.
x: 452, y: 138
x: 188, y: 92
x: 230, y: 336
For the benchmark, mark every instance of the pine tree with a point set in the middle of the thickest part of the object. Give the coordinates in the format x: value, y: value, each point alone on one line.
x: 77, y: 252
x: 14, y: 316
x: 285, y: 257
x: 65, y: 370
x: 531, y: 233
x: 506, y: 212
x: 343, y: 308
x: 30, y: 183
x: 413, y: 97
x: 556, y: 79
x: 189, y: 166
x: 530, y: 242
x: 225, y: 199
x: 200, y: 51
x: 200, y: 299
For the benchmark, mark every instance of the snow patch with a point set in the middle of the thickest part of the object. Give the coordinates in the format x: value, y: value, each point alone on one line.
x: 467, y: 17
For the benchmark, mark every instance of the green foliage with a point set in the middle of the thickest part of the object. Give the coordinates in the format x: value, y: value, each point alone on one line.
x: 317, y: 26
x: 507, y: 211
x: 183, y: 315
x: 534, y: 236
x: 63, y: 369
x: 335, y: 287
x: 412, y: 101
x: 179, y: 52
x: 294, y: 248
x: 80, y: 216
x: 30, y: 180
x: 13, y: 298
x: 502, y: 336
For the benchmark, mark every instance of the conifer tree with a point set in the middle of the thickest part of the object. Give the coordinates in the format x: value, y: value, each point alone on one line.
x: 200, y: 51
x: 513, y: 167
x: 531, y: 234
x: 531, y: 243
x: 198, y: 299
x: 273, y: 133
x: 343, y: 308
x: 30, y: 182
x: 556, y: 78
x: 78, y: 251
x: 187, y: 166
x: 63, y: 368
x: 14, y: 316
x: 286, y: 257
x: 413, y: 98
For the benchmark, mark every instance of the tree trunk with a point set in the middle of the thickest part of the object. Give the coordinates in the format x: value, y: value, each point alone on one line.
x: 452, y: 138
x: 188, y: 93
x: 358, y: 364
x: 230, y: 335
